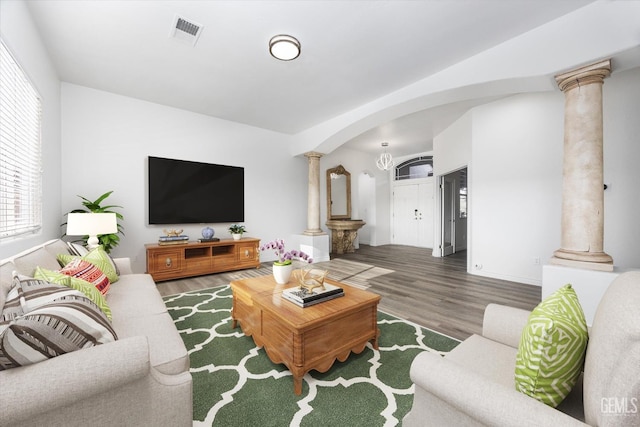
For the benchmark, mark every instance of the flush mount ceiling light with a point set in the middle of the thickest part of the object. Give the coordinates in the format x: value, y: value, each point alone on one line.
x: 385, y: 161
x: 284, y: 47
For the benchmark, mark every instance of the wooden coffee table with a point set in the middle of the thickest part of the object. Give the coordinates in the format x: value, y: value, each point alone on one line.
x: 304, y: 338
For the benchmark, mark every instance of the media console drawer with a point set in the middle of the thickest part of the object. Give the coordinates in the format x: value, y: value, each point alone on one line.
x: 165, y: 261
x: 194, y: 258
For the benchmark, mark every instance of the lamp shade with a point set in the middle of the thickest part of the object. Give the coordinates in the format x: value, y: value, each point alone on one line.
x: 91, y: 224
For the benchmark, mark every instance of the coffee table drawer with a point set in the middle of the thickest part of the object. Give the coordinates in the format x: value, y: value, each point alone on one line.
x: 323, y: 343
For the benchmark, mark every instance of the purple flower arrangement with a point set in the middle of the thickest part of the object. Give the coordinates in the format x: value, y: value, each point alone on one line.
x: 285, y: 257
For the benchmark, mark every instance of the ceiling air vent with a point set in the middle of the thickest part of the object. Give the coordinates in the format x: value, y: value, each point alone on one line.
x: 185, y: 30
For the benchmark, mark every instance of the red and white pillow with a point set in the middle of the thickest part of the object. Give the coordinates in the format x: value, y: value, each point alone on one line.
x: 86, y: 271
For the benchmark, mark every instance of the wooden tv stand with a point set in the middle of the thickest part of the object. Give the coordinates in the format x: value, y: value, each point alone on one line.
x: 166, y: 262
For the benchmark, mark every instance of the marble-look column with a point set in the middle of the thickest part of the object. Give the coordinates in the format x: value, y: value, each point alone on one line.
x: 582, y: 224
x: 313, y: 197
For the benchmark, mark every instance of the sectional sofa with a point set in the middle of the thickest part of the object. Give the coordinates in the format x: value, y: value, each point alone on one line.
x: 140, y: 378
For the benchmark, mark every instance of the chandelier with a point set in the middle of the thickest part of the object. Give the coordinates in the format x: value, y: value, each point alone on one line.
x: 385, y: 161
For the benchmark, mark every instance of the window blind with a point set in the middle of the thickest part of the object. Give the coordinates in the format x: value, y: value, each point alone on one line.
x: 20, y: 151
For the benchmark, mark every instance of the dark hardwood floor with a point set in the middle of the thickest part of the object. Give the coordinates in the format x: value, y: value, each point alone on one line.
x: 436, y: 293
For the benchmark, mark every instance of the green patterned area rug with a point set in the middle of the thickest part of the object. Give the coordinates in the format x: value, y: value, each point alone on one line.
x: 235, y: 383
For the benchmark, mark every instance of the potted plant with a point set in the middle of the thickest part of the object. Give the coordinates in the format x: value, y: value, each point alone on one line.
x: 237, y: 231
x: 108, y: 241
x: 283, y: 267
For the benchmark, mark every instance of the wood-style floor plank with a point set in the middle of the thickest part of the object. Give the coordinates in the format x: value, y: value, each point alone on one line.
x: 436, y: 293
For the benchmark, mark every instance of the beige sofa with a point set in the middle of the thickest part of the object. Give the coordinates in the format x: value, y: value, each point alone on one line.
x: 141, y: 379
x: 474, y: 384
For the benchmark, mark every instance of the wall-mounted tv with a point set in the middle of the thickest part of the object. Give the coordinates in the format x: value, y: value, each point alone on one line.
x: 186, y: 192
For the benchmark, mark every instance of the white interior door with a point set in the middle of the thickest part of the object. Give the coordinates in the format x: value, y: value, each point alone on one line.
x: 425, y: 215
x: 413, y: 214
x: 405, y: 215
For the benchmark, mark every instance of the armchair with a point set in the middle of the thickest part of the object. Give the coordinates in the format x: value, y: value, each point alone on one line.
x: 474, y: 384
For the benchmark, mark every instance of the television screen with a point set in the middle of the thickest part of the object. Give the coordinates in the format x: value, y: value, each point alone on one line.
x: 185, y: 192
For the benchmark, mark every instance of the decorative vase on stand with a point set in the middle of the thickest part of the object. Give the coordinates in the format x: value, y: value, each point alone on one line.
x: 208, y: 233
x: 282, y: 273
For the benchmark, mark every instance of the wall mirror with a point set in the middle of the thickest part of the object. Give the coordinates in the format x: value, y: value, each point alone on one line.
x: 338, y: 193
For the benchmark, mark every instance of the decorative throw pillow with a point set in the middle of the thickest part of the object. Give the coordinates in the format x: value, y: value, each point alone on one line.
x: 97, y: 257
x: 71, y: 322
x: 12, y: 307
x: 86, y: 271
x: 33, y: 293
x: 552, y: 348
x: 81, y: 285
x: 77, y: 249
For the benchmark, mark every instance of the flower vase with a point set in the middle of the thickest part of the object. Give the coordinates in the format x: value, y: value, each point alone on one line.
x: 282, y: 273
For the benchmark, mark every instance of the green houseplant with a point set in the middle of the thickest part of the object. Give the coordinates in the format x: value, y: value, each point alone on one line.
x: 108, y: 241
x: 237, y: 231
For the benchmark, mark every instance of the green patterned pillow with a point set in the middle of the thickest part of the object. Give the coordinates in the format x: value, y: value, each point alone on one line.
x: 97, y: 257
x: 83, y: 286
x: 552, y: 348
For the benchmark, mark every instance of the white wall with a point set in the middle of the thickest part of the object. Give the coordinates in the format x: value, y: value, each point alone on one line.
x: 106, y: 141
x: 516, y: 189
x: 366, y: 206
x: 621, y: 101
x: 21, y: 37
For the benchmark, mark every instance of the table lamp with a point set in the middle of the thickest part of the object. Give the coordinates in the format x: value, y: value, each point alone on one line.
x: 91, y: 224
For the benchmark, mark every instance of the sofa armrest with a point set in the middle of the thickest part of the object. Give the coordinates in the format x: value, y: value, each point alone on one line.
x: 472, y: 394
x: 504, y: 324
x: 124, y: 265
x: 34, y: 389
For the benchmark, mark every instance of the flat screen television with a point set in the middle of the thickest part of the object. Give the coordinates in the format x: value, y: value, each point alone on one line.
x: 186, y: 192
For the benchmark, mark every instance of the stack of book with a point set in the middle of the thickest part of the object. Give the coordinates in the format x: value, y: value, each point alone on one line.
x: 173, y: 240
x: 305, y: 298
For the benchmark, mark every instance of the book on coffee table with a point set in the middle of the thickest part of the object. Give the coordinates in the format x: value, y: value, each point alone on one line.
x: 323, y: 298
x: 304, y: 297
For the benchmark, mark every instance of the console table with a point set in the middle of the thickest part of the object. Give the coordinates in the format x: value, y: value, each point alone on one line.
x: 343, y: 234
x: 166, y: 262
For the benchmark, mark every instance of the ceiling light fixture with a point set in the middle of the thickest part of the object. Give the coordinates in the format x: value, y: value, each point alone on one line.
x: 284, y: 47
x: 385, y: 161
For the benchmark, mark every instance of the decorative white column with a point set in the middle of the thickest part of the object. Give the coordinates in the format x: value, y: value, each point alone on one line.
x: 583, y: 184
x: 313, y: 241
x: 313, y: 197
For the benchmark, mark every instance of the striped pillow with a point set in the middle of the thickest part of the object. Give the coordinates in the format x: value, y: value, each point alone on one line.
x: 552, y: 348
x: 67, y: 322
x: 77, y: 249
x: 86, y: 271
x: 12, y: 308
x: 33, y: 293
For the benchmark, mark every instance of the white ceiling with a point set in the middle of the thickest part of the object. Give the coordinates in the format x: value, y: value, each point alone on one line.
x: 353, y: 52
